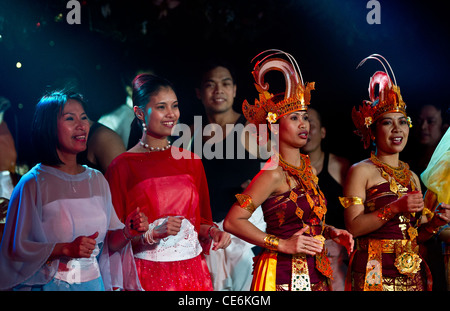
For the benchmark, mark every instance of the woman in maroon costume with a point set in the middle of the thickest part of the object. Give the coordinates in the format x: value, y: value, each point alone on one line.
x: 383, y: 200
x: 294, y: 208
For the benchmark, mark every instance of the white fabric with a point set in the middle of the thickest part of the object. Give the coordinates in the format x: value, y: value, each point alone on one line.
x: 49, y: 206
x: 6, y: 185
x: 79, y: 270
x: 184, y: 245
x: 120, y: 120
x: 231, y: 268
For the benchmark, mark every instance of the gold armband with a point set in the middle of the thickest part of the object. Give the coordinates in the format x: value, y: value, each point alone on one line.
x: 385, y: 213
x: 427, y: 213
x: 271, y: 242
x: 246, y: 202
x: 349, y: 201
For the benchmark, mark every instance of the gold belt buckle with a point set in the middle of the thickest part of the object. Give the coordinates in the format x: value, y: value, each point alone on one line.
x: 407, y: 262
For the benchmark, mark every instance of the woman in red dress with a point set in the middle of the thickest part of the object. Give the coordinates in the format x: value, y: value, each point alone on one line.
x: 171, y: 191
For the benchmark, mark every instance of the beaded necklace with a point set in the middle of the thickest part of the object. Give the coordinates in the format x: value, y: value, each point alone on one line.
x: 146, y: 146
x: 308, y: 181
x: 401, y: 175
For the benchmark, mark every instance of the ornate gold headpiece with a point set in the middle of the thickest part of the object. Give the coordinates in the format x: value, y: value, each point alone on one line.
x: 389, y: 99
x: 271, y: 107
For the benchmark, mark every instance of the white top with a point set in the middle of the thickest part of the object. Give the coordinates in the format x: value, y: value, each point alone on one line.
x: 49, y: 206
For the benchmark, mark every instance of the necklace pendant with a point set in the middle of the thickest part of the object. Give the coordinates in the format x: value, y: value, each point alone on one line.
x: 293, y: 196
x: 393, y: 186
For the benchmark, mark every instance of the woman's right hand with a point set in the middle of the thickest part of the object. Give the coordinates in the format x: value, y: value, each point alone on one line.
x: 170, y: 226
x: 412, y: 202
x: 300, y: 243
x: 81, y: 247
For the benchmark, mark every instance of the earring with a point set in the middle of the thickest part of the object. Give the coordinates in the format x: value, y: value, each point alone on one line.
x: 144, y: 128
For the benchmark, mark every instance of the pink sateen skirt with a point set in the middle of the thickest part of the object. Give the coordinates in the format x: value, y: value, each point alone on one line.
x: 185, y: 275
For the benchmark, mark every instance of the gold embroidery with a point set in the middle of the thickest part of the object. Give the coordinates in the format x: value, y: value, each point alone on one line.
x: 271, y: 242
x: 300, y: 275
x: 346, y: 202
x: 246, y: 202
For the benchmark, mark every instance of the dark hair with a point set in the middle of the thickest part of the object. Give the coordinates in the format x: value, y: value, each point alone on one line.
x: 212, y: 63
x: 144, y: 85
x: 44, y: 133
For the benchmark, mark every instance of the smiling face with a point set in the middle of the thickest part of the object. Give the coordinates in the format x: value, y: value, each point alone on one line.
x: 294, y: 129
x: 161, y: 113
x: 391, y: 133
x: 217, y: 90
x: 73, y: 129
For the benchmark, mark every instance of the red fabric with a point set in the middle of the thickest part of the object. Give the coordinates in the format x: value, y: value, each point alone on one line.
x: 282, y: 221
x: 160, y: 185
x: 378, y: 196
x: 186, y: 275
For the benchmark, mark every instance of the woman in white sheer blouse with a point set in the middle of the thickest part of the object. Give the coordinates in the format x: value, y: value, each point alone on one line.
x: 62, y: 232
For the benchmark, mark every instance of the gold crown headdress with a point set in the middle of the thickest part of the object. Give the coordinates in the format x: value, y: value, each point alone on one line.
x: 272, y: 107
x: 389, y: 99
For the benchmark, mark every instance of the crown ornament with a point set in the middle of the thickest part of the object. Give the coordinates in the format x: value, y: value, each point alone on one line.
x: 269, y: 107
x: 387, y: 100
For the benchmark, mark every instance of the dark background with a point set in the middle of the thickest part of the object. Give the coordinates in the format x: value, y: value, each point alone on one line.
x: 328, y: 38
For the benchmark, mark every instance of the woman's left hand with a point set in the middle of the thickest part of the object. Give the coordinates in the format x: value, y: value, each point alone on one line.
x: 136, y: 223
x: 343, y: 237
x: 220, y: 238
x: 443, y: 216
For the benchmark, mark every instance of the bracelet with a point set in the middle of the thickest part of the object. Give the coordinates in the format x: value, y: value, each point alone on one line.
x: 125, y: 235
x: 271, y: 242
x: 209, y: 230
x: 346, y: 202
x: 430, y: 230
x: 148, y: 235
x: 246, y: 202
x: 385, y: 213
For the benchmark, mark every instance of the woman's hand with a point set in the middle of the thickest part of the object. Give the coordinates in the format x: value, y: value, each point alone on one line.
x: 300, y: 243
x: 136, y: 224
x: 412, y: 202
x: 441, y: 216
x: 220, y: 238
x: 81, y: 247
x: 342, y: 237
x: 170, y: 226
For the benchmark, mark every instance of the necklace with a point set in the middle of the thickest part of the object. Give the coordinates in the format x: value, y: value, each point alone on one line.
x: 303, y: 172
x: 309, y: 182
x: 394, y: 175
x: 146, y: 146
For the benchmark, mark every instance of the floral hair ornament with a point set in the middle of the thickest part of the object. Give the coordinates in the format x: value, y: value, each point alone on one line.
x: 271, y: 107
x: 389, y: 99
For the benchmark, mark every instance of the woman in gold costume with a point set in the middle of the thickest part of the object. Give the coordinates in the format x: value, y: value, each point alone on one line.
x: 383, y: 200
x: 286, y: 188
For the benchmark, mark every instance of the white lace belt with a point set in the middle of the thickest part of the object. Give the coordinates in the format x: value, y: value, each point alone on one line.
x: 184, y: 245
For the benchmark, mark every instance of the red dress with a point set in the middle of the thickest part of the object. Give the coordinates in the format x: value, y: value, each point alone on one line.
x: 163, y: 186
